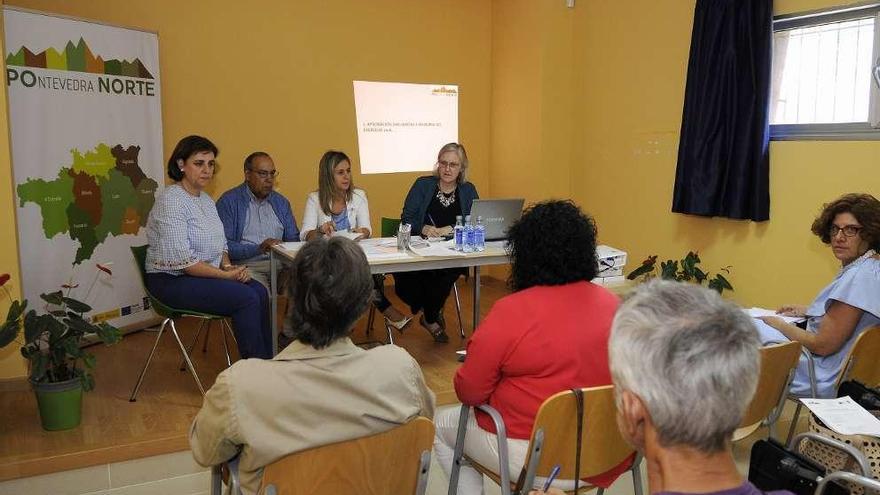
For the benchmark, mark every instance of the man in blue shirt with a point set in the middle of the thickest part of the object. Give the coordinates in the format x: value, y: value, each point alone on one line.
x: 255, y: 217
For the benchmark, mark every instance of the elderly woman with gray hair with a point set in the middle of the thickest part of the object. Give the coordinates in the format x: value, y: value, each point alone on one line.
x: 685, y: 365
x: 313, y: 392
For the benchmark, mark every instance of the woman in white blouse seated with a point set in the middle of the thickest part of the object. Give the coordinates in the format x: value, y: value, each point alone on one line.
x: 187, y: 262
x: 337, y: 206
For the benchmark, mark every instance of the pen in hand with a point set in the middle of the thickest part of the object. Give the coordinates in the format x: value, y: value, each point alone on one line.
x: 553, y: 474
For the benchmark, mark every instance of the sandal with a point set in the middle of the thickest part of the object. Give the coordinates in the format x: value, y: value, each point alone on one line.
x: 400, y: 325
x: 438, y: 334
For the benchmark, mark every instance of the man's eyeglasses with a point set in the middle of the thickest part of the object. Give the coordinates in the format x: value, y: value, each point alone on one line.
x: 848, y: 230
x: 444, y: 163
x: 265, y: 174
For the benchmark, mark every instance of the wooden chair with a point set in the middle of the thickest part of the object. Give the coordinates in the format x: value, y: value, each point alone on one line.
x: 778, y: 364
x: 394, y: 462
x: 553, y: 441
x: 860, y: 364
x: 171, y: 314
x: 389, y: 229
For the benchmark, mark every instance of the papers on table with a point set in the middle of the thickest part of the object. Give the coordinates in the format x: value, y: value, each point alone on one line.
x: 382, y: 248
x: 845, y: 416
x: 347, y: 234
x: 442, y: 248
x: 756, y: 312
x: 291, y: 246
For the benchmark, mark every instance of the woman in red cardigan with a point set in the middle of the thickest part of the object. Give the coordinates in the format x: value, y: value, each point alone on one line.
x: 549, y: 335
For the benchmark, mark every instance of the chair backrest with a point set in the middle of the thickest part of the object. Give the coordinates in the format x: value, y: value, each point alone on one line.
x: 777, y: 362
x: 863, y: 361
x: 396, y: 461
x: 140, y: 259
x: 390, y: 226
x: 602, y: 446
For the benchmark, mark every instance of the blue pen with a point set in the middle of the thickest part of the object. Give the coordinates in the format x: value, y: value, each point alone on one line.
x: 553, y: 474
x: 431, y: 220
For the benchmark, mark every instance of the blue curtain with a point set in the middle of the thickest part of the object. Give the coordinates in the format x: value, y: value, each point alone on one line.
x: 723, y: 156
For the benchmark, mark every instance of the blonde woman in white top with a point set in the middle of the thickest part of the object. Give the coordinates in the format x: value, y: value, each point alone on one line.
x: 338, y: 206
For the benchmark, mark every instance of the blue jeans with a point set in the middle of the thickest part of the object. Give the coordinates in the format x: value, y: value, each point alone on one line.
x: 247, y: 305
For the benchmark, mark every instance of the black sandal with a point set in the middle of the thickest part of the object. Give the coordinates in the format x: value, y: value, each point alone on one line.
x: 439, y: 335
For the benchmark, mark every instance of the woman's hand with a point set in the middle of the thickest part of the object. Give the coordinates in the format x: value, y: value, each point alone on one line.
x: 792, y: 310
x: 774, y: 321
x: 238, y: 273
x: 444, y: 231
x: 327, y: 228
x: 363, y: 231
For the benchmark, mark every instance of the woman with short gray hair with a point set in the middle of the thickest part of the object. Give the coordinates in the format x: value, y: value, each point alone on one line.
x: 685, y: 366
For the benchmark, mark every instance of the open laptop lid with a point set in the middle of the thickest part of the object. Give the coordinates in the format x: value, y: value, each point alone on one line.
x: 498, y: 215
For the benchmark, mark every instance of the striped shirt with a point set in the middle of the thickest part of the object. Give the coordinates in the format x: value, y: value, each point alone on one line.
x: 183, y: 230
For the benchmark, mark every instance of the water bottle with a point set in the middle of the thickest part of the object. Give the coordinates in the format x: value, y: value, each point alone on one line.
x: 468, y: 241
x: 479, y: 236
x: 459, y: 230
x: 403, y: 233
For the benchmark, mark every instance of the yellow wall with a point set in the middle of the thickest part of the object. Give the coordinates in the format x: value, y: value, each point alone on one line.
x: 276, y: 75
x: 631, y: 64
x: 11, y: 363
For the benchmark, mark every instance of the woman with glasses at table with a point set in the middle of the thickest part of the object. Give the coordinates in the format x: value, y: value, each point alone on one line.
x: 430, y: 208
x: 337, y: 206
x: 848, y: 305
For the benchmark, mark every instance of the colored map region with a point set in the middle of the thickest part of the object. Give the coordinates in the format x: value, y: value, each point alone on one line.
x: 103, y: 193
x: 77, y: 58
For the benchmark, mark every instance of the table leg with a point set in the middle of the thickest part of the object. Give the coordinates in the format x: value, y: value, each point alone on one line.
x: 476, y: 297
x: 273, y: 295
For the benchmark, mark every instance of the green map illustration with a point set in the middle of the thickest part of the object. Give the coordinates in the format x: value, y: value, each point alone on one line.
x: 102, y: 193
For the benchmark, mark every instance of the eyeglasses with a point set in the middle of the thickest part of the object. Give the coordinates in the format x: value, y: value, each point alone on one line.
x: 444, y: 163
x: 265, y: 174
x: 848, y: 230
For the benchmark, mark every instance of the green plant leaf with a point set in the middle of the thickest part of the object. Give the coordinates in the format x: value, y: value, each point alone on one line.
x: 76, y: 306
x: 88, y: 360
x: 723, y: 281
x: 55, y: 298
x: 38, y: 366
x: 16, y: 309
x: 642, y: 270
x: 34, y: 326
x: 9, y: 331
x: 108, y: 333
x: 87, y: 380
x: 78, y: 324
x: 668, y: 269
x: 700, y: 276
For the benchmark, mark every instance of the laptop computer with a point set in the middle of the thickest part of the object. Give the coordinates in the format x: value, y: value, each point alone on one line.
x: 498, y: 215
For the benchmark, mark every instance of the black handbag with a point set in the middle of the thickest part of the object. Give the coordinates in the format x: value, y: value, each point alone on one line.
x: 866, y: 397
x: 773, y: 467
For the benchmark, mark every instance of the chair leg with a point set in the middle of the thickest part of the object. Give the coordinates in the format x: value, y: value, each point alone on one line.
x: 194, y: 340
x: 794, y: 419
x: 147, y: 364
x: 370, y: 318
x: 225, y: 345
x: 205, y: 344
x: 389, y: 331
x: 186, y: 358
x: 600, y: 491
x: 458, y: 455
x: 458, y: 309
x: 637, y: 475
x: 231, y: 333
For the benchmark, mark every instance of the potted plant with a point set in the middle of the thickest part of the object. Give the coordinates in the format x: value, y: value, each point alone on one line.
x: 686, y: 270
x: 59, y: 368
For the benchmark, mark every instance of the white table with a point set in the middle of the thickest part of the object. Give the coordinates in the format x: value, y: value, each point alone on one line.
x: 384, y: 260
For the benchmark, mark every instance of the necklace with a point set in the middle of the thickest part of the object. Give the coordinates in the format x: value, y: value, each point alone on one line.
x: 446, y: 200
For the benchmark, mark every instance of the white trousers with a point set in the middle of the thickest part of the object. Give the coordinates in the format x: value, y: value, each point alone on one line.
x: 481, y: 446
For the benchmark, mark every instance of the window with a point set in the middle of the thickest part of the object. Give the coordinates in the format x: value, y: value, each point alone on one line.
x: 825, y: 81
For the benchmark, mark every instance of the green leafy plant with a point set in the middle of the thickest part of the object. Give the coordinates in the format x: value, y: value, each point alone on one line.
x: 685, y: 270
x: 52, y: 341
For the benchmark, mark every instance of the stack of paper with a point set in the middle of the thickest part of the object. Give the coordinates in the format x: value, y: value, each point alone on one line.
x: 758, y: 312
x: 845, y: 416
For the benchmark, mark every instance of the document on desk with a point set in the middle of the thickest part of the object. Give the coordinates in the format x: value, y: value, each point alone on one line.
x: 757, y: 312
x: 444, y: 249
x: 845, y: 416
x: 382, y: 248
x: 347, y: 234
